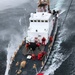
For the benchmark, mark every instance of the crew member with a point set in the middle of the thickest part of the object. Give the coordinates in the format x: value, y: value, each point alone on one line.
x: 51, y: 38
x: 41, y: 55
x: 27, y: 46
x: 43, y: 40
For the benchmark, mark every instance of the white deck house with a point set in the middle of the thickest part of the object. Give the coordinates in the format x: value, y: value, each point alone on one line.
x: 41, y: 25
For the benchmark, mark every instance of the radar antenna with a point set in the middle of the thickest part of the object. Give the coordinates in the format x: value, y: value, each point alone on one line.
x: 43, y: 4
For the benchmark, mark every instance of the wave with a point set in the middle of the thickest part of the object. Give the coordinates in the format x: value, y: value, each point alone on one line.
x: 5, y: 4
x: 13, y: 46
x: 59, y: 4
x: 58, y: 55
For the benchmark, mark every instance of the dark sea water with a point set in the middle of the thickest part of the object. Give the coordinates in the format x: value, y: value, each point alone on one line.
x: 68, y: 45
x: 14, y: 21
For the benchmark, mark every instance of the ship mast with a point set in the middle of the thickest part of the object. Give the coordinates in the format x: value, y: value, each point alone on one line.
x: 42, y: 4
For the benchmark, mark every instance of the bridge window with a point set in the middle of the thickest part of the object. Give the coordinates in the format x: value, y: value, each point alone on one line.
x: 46, y: 20
x: 31, y: 20
x: 34, y: 20
x: 42, y: 20
x: 38, y: 20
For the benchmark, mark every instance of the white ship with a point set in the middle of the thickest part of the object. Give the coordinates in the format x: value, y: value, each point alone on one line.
x: 33, y: 54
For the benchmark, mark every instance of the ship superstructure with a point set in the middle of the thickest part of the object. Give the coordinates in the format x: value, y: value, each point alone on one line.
x: 41, y: 25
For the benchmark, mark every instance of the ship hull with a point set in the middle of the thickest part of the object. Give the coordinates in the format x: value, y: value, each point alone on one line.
x: 22, y: 56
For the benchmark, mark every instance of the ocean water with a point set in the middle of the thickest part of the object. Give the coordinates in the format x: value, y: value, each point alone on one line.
x: 13, y: 27
x: 68, y: 43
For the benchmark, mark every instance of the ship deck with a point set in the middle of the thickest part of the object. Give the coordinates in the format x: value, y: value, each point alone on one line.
x: 28, y: 69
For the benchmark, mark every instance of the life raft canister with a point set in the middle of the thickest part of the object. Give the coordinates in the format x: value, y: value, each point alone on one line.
x: 41, y: 54
x: 33, y: 56
x: 40, y: 74
x: 43, y: 40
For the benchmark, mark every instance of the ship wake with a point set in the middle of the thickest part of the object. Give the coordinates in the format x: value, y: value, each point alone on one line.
x: 59, y: 54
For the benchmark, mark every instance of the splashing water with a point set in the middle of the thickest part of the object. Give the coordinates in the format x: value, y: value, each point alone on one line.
x: 56, y: 62
x: 57, y: 57
x: 59, y: 4
x: 13, y: 46
x: 20, y: 21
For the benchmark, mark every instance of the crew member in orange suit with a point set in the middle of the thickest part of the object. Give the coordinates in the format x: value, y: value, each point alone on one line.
x: 43, y: 40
